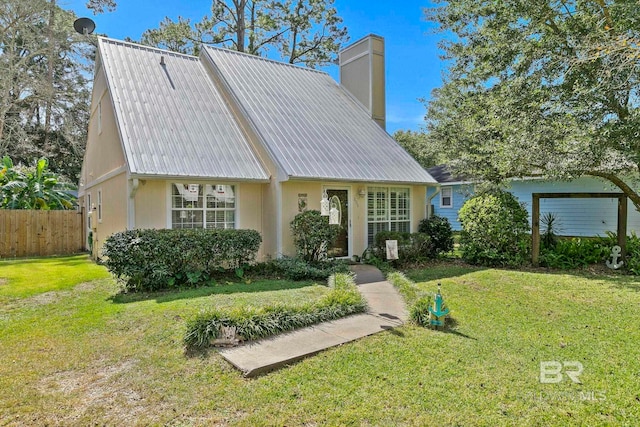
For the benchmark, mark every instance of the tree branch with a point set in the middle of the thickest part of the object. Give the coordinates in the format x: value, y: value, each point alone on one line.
x: 618, y: 182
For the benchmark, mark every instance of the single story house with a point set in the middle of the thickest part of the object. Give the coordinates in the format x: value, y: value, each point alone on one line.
x: 230, y: 140
x: 576, y: 217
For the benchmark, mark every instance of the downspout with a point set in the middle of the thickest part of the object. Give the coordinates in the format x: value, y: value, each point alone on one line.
x: 429, y: 199
x: 133, y: 188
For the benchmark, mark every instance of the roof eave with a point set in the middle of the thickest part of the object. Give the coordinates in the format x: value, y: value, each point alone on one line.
x: 199, y: 178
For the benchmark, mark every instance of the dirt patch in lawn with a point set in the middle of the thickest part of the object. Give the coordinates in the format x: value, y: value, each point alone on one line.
x: 98, y: 389
x: 3, y: 281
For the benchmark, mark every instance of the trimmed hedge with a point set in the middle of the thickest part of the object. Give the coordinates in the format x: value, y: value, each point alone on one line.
x: 412, y: 247
x: 250, y: 323
x: 151, y: 260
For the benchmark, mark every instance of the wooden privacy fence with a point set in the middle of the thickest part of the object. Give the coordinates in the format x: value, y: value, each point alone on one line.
x: 26, y: 233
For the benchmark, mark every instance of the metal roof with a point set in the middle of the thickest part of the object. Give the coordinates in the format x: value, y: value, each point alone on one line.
x: 312, y: 126
x: 172, y: 119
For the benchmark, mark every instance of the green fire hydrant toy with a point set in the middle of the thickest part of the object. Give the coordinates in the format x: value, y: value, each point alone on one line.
x: 439, y: 312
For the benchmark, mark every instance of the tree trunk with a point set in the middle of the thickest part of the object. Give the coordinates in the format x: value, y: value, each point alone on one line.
x: 626, y: 189
x: 50, y: 67
x: 240, y: 23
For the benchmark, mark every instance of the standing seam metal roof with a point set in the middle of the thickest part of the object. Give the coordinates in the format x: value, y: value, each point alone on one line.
x: 313, y: 127
x: 173, y: 120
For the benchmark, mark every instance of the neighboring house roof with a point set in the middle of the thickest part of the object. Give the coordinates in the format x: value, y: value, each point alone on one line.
x: 175, y: 119
x: 172, y: 119
x: 312, y: 126
x: 442, y: 174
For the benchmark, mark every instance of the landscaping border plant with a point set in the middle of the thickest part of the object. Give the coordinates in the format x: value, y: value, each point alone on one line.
x: 151, y: 260
x: 418, y: 300
x: 251, y: 323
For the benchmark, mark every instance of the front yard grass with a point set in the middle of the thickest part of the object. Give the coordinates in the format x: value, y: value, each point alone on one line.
x: 87, y: 355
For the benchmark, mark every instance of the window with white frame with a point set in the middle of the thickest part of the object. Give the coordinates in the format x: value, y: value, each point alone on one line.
x: 203, y: 206
x: 446, y: 197
x: 99, y: 205
x: 388, y: 209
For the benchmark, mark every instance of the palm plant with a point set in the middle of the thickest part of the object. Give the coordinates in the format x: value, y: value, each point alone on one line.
x: 552, y: 227
x: 33, y: 188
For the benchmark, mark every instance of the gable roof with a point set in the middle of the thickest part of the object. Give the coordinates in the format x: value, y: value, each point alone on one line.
x: 175, y: 120
x: 172, y: 119
x: 313, y: 128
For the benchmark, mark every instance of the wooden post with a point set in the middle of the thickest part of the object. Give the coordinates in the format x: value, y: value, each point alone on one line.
x: 622, y: 225
x: 535, y: 229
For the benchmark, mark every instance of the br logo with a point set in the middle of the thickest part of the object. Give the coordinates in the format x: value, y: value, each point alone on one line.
x: 551, y: 372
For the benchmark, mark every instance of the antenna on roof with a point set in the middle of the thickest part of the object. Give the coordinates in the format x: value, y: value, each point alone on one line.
x: 84, y: 26
x: 162, y: 61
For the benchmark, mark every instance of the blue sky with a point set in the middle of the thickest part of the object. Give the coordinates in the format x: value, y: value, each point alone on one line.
x: 413, y: 67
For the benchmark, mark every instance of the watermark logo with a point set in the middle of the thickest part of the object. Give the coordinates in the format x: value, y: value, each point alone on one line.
x: 552, y: 371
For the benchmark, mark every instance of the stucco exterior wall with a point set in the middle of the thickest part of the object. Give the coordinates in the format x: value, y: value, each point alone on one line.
x: 357, y: 208
x: 103, y: 153
x: 150, y: 203
x: 114, y: 210
x: 104, y: 168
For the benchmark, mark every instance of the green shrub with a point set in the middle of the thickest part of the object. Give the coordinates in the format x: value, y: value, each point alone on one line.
x: 252, y: 323
x: 412, y: 247
x: 312, y: 234
x: 150, y: 260
x: 495, y: 230
x: 439, y: 231
x: 574, y: 253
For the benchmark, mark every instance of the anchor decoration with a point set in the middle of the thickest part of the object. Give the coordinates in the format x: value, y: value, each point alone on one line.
x: 615, y: 255
x: 439, y: 312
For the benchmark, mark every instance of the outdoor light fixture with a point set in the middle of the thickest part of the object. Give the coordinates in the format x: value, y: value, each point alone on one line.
x: 361, y: 192
x: 334, y: 216
x: 324, y: 204
x: 335, y: 212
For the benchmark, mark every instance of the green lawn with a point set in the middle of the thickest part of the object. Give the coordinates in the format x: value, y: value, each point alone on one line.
x: 85, y: 355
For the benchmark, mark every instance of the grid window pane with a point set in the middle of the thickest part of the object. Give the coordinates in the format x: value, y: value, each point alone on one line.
x: 388, y: 209
x: 203, y: 206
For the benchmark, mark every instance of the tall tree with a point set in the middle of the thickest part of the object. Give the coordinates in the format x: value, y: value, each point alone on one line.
x: 44, y: 91
x: 419, y: 146
x: 540, y: 86
x: 300, y: 31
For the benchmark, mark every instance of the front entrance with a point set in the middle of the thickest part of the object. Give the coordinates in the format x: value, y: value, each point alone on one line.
x: 340, y: 199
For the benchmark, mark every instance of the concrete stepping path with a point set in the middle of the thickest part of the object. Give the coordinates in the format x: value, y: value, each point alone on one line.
x: 386, y: 311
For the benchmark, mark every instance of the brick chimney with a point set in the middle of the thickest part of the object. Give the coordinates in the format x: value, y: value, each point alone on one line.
x: 362, y: 74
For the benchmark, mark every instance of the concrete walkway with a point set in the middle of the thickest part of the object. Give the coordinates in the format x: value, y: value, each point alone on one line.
x: 386, y: 311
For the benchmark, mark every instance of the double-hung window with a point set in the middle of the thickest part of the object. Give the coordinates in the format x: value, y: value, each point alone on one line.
x: 388, y: 209
x: 203, y: 206
x: 446, y: 197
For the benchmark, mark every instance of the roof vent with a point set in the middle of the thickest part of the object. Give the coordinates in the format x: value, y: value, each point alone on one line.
x: 162, y: 61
